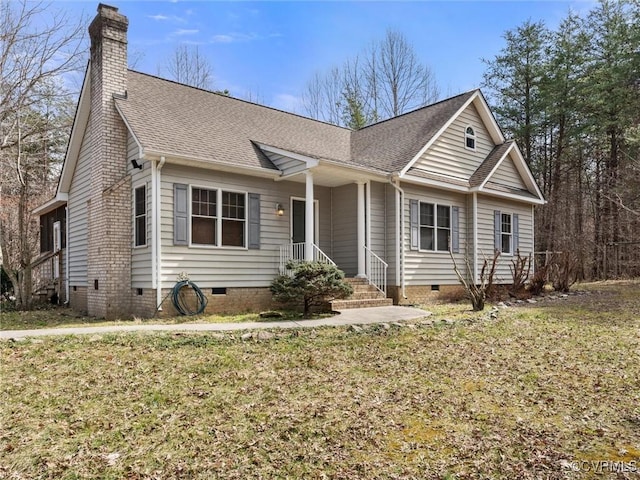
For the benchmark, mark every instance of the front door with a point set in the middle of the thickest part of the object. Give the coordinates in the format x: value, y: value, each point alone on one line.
x: 298, y: 216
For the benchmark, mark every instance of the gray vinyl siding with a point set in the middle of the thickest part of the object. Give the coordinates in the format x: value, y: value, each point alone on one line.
x: 507, y: 175
x: 378, y: 219
x: 486, y: 206
x: 426, y: 267
x: 391, y: 234
x: 345, y: 228
x: 235, y: 267
x: 448, y: 155
x: 141, y: 266
x: 78, y: 196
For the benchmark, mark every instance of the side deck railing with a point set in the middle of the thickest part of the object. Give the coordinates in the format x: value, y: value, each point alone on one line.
x: 46, y: 271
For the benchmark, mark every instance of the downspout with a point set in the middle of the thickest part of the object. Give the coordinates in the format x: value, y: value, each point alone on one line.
x: 399, y: 238
x: 532, y: 262
x: 154, y: 226
x: 66, y: 251
x: 158, y: 239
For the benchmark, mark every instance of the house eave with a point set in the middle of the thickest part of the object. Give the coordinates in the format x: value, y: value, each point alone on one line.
x: 510, y: 196
x: 58, y: 201
x: 133, y: 135
x: 209, y: 164
x: 77, y: 132
x: 433, y: 183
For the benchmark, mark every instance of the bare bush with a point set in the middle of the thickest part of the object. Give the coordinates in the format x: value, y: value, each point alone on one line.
x: 520, y: 268
x: 563, y: 272
x: 477, y: 292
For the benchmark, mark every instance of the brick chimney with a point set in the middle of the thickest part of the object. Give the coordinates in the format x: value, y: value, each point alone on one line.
x: 109, y: 205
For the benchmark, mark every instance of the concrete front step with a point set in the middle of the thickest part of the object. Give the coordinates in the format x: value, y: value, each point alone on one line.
x: 363, y: 303
x: 364, y: 295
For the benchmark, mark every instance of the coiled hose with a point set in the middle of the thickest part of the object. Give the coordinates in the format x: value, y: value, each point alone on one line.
x: 180, y: 300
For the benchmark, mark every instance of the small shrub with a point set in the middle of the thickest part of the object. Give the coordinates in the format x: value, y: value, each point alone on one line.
x: 312, y: 284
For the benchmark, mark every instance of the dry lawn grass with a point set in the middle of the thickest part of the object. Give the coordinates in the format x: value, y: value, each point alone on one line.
x: 59, y: 317
x: 521, y: 396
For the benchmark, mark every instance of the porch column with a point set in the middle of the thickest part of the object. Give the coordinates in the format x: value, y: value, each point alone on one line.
x: 309, y: 221
x: 361, y: 232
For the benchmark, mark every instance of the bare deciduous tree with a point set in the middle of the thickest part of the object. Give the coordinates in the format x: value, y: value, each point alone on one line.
x: 385, y: 81
x: 188, y: 65
x: 39, y: 47
x: 403, y: 82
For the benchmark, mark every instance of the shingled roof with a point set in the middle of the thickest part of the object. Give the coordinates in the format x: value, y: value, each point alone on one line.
x: 486, y: 167
x: 170, y: 117
x: 176, y: 119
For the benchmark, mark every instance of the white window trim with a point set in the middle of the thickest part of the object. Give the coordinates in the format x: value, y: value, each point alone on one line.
x: 218, y: 218
x: 474, y: 137
x: 146, y: 214
x: 510, y: 252
x: 435, y: 228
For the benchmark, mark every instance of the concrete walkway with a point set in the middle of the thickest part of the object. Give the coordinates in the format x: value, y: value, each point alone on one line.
x: 346, y: 317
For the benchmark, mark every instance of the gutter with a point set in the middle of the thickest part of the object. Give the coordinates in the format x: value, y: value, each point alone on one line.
x: 399, y: 238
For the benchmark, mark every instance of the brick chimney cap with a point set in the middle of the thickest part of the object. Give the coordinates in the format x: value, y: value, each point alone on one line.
x: 104, y: 6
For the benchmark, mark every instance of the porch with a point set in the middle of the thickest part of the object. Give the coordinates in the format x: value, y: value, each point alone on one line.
x: 357, y: 208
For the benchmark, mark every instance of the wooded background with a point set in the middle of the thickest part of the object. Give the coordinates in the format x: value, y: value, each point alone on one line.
x: 571, y: 99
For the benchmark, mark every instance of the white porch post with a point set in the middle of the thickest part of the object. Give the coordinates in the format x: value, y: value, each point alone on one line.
x: 309, y: 221
x: 361, y: 232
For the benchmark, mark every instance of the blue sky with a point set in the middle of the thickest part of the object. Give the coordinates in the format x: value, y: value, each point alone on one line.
x: 271, y: 49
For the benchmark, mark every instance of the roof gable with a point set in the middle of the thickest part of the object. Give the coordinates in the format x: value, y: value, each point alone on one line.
x: 504, y: 170
x: 477, y: 99
x: 377, y: 145
x: 449, y: 154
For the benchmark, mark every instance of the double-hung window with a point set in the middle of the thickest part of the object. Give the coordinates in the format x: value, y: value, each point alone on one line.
x: 140, y: 216
x: 506, y: 232
x: 204, y: 216
x: 218, y: 217
x: 435, y: 227
x: 233, y: 219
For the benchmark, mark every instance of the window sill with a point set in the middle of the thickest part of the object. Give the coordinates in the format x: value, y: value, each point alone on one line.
x: 215, y: 247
